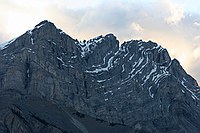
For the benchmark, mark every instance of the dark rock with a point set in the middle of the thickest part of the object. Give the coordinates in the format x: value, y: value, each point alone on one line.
x: 50, y: 82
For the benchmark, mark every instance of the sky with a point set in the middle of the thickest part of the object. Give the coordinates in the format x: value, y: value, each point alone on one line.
x: 173, y: 24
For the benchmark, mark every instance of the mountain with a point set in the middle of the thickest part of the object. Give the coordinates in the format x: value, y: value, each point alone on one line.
x: 52, y: 83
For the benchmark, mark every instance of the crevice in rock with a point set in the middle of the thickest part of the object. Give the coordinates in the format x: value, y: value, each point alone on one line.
x: 27, y: 79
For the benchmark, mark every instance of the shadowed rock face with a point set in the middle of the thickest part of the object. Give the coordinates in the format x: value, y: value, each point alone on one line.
x: 50, y: 82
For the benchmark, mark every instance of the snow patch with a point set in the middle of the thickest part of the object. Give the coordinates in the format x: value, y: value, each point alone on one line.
x: 6, y: 44
x: 52, y: 42
x: 141, y: 48
x: 73, y: 57
x: 140, y: 61
x: 86, y: 45
x: 152, y: 71
x: 183, y: 91
x: 32, y: 41
x: 60, y: 59
x: 168, y: 107
x: 193, y: 95
x: 123, y: 68
x: 130, y: 58
x: 100, y: 81
x: 28, y: 73
x: 63, y: 63
x: 150, y: 94
x: 101, y: 69
x: 62, y: 33
x: 39, y: 26
x: 105, y: 93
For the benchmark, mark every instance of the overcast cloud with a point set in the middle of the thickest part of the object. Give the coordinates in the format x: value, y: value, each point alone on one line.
x: 171, y: 24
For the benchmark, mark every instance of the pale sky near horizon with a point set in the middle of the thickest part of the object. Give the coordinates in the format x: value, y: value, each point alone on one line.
x: 174, y: 24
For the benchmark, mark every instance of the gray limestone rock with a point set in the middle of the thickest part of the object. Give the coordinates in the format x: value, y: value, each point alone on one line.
x: 50, y: 82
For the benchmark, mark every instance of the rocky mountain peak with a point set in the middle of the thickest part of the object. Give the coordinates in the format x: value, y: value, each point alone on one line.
x: 132, y: 87
x: 45, y: 23
x: 44, y: 30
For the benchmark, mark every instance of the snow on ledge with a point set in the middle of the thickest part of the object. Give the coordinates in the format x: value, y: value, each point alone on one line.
x: 6, y: 44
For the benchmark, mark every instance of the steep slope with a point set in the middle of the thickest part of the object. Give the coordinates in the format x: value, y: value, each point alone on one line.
x: 136, y: 86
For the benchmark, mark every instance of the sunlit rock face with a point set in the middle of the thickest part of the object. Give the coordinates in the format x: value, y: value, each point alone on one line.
x: 50, y: 82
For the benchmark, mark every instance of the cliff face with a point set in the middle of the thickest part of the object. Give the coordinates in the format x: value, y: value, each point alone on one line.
x: 50, y: 82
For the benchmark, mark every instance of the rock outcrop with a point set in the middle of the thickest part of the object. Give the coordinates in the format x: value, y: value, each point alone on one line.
x: 50, y: 82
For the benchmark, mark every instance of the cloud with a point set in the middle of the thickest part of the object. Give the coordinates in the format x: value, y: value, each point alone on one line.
x: 197, y: 24
x: 137, y: 27
x: 194, y: 69
x: 1, y: 39
x: 197, y: 37
x: 176, y: 13
x: 196, y: 53
x: 102, y: 19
